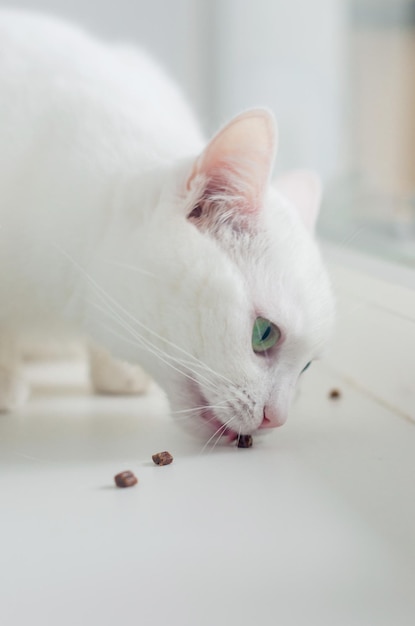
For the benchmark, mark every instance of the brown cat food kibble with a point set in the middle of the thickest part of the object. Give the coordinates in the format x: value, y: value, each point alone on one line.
x: 334, y: 394
x: 245, y: 441
x: 162, y: 458
x: 125, y: 479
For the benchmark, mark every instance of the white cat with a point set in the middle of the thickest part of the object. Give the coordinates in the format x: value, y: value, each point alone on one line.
x: 118, y: 219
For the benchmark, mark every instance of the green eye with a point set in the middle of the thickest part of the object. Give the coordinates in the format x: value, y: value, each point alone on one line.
x: 306, y: 367
x: 264, y: 335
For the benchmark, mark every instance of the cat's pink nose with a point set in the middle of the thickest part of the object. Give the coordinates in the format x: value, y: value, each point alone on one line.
x: 271, y: 418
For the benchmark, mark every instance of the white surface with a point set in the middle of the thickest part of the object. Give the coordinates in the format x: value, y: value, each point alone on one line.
x: 314, y: 525
x: 374, y: 343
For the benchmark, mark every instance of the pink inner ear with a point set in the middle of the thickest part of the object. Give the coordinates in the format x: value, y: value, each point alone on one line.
x: 239, y: 159
x: 302, y: 188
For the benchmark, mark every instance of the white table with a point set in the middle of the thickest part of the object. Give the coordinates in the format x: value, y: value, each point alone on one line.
x: 313, y: 525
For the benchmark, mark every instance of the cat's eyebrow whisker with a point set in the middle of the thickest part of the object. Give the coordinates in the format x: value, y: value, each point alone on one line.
x: 143, y: 326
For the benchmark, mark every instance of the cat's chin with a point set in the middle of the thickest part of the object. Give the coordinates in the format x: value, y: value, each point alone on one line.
x: 205, y: 422
x: 216, y: 426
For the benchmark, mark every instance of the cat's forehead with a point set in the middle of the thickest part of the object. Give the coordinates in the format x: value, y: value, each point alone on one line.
x: 285, y: 277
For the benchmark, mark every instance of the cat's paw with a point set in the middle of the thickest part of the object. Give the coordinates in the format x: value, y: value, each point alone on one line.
x: 112, y: 376
x: 14, y: 391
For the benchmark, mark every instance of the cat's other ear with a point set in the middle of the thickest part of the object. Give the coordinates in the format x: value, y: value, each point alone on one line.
x: 303, y: 190
x: 234, y: 170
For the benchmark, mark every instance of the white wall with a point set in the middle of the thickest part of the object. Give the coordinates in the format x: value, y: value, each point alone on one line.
x: 232, y: 54
x: 290, y: 56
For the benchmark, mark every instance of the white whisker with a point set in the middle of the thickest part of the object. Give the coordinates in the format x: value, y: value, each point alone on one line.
x: 218, y: 439
x: 146, y: 343
x: 219, y: 430
x: 105, y: 294
x: 198, y: 408
x: 344, y: 242
x: 131, y: 267
x: 142, y: 342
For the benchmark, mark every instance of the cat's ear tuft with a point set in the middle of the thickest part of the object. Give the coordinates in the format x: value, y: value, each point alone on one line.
x: 235, y: 168
x: 303, y: 190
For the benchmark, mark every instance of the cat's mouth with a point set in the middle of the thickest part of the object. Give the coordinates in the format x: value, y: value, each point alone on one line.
x: 218, y: 427
x: 209, y: 417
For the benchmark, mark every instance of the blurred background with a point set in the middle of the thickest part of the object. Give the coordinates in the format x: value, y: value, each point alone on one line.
x: 339, y: 74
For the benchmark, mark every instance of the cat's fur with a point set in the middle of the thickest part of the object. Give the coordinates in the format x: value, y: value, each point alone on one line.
x: 118, y: 219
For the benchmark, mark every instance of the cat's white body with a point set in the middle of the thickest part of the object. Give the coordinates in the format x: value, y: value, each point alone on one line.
x: 100, y: 169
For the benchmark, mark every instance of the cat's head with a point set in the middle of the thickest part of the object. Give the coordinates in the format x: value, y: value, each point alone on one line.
x: 240, y: 303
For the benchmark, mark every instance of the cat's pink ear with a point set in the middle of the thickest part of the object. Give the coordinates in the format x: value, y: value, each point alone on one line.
x: 303, y: 190
x: 235, y: 168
